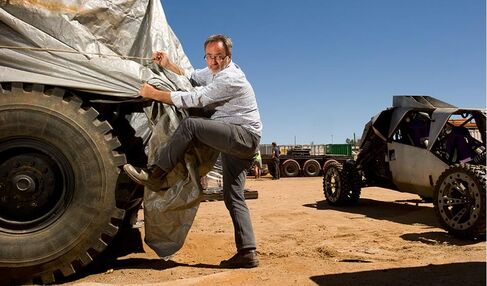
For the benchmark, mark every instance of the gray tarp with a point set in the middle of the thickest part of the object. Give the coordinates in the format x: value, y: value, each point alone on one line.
x: 67, y: 36
x: 103, y: 47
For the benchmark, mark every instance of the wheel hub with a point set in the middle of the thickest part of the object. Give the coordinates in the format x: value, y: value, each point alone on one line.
x: 24, y: 183
x: 32, y: 185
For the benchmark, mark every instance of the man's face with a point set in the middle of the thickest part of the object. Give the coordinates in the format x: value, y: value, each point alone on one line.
x: 216, y: 56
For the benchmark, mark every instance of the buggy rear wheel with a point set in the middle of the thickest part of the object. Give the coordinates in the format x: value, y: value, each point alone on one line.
x: 332, y: 183
x: 341, y: 183
x: 352, y: 181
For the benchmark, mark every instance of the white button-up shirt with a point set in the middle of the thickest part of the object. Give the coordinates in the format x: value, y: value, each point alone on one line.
x: 228, y: 93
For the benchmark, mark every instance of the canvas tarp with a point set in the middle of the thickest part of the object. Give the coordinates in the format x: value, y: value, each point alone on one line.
x: 104, y: 48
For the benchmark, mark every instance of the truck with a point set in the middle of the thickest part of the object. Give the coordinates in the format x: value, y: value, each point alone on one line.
x: 305, y: 160
x: 70, y: 117
x: 424, y: 146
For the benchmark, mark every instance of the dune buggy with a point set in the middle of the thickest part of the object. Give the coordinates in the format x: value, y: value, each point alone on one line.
x: 424, y: 146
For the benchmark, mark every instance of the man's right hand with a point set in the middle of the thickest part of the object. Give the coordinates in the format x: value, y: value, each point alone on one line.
x: 161, y: 58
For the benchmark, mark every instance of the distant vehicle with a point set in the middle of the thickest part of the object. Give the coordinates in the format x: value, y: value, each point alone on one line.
x: 424, y: 146
x: 307, y: 161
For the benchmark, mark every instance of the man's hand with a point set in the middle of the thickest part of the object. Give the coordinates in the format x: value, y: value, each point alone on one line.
x: 147, y: 91
x: 150, y: 92
x: 161, y: 58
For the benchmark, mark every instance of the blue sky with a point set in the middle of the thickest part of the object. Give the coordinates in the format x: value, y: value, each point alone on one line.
x: 322, y: 68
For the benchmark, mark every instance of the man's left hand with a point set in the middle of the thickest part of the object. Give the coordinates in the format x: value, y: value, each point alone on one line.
x: 147, y: 91
x: 150, y: 92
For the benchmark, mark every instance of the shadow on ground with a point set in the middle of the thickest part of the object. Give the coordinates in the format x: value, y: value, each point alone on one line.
x: 398, y: 211
x: 130, y: 241
x: 437, y: 237
x: 470, y: 273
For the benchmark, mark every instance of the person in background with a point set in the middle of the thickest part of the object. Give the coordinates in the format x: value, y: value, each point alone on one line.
x: 257, y: 165
x: 234, y: 129
x: 275, y: 160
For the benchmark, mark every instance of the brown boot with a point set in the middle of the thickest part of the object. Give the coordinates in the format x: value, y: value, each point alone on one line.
x: 151, y: 178
x: 243, y: 259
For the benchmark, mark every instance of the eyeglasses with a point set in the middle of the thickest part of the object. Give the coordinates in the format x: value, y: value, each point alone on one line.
x: 218, y: 58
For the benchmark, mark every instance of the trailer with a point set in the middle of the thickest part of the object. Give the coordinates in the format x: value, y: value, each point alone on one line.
x: 305, y: 160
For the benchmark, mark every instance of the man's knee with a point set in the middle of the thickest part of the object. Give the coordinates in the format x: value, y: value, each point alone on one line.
x: 188, y: 125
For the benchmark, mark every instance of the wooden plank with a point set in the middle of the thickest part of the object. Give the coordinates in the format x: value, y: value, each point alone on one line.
x: 217, y: 195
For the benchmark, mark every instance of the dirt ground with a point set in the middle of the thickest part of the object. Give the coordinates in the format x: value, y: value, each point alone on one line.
x: 388, y: 239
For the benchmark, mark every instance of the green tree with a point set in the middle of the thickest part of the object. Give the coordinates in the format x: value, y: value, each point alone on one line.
x: 350, y: 141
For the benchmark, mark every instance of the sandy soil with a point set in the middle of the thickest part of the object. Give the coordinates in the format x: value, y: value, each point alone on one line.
x: 388, y: 239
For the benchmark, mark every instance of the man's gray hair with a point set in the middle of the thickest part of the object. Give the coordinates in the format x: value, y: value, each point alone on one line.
x: 226, y: 41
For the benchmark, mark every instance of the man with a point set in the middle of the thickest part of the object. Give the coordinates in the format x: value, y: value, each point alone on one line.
x: 275, y: 160
x: 234, y: 129
x: 257, y: 165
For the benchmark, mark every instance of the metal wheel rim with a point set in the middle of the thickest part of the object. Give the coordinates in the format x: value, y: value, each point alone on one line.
x: 459, y: 201
x: 332, y: 183
x: 47, y: 177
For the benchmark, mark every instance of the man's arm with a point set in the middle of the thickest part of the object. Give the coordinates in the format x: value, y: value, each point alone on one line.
x: 150, y: 92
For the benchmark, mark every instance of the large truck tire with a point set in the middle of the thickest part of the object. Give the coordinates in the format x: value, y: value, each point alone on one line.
x: 58, y: 175
x: 290, y: 168
x: 459, y: 200
x: 311, y: 168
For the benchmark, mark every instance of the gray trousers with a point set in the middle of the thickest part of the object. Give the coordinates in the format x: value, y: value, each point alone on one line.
x: 237, y: 147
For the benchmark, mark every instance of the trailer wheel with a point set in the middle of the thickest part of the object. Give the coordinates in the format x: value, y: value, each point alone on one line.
x: 311, y: 168
x: 290, y: 168
x: 58, y: 175
x: 459, y: 200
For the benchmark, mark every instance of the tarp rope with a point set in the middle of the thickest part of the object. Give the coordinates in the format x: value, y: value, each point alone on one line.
x: 72, y: 52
